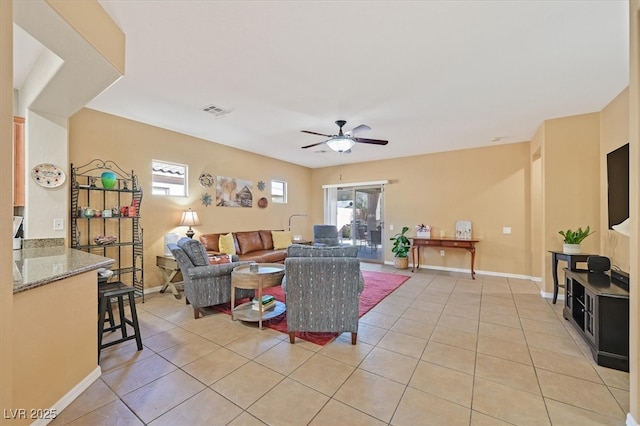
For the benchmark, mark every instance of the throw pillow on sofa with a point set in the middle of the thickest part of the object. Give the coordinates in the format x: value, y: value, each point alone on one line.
x: 281, y: 239
x: 226, y: 244
x: 217, y: 260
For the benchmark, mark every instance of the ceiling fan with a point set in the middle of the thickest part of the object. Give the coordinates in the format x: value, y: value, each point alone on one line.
x: 342, y: 142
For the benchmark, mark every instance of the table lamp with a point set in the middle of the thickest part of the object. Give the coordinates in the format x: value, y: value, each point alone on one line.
x: 190, y: 218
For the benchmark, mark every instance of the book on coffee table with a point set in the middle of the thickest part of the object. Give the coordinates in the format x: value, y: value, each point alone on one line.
x: 267, y: 298
x: 265, y: 306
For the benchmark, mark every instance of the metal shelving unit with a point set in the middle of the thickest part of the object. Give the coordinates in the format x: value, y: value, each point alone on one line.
x: 87, y: 191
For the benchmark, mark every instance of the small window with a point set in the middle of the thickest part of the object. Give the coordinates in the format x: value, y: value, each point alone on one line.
x: 278, y: 191
x: 169, y: 179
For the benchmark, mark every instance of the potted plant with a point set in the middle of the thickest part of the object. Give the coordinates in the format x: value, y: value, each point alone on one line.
x: 400, y: 249
x: 572, y: 239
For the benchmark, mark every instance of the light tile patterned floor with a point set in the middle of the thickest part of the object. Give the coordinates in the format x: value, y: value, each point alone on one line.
x: 441, y: 350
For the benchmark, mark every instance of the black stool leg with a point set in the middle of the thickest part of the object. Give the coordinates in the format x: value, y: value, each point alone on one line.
x: 134, y: 318
x: 102, y: 302
x: 123, y: 323
x: 112, y: 323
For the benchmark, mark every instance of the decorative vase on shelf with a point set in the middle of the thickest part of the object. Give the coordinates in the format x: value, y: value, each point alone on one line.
x: 571, y: 248
x: 109, y: 179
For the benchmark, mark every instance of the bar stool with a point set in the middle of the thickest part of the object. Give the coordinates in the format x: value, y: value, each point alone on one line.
x: 105, y: 293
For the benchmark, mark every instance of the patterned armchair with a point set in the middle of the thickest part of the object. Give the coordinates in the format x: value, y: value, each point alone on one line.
x: 323, y: 286
x: 204, y: 284
x: 326, y: 235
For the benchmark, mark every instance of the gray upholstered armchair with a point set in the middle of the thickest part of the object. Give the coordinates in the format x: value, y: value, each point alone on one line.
x: 204, y: 284
x: 325, y: 235
x: 323, y: 286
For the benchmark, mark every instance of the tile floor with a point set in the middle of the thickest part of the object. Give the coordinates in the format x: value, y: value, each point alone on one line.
x: 441, y: 350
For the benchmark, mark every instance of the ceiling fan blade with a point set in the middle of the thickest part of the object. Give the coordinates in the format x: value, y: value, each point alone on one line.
x: 316, y: 133
x: 313, y: 144
x: 371, y: 141
x: 358, y: 129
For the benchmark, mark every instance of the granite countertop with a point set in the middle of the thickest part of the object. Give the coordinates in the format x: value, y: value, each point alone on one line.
x: 35, y: 267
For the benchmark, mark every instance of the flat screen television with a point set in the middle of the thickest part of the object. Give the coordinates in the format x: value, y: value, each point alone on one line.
x: 618, y: 185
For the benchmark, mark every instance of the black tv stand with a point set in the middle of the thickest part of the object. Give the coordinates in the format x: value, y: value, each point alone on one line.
x: 599, y: 309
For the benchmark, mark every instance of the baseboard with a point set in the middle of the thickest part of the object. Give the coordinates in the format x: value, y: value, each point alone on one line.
x: 478, y: 272
x: 630, y: 420
x: 153, y: 289
x: 70, y: 396
x: 550, y: 295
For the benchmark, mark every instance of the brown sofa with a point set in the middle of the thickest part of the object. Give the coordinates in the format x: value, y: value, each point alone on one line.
x: 255, y: 246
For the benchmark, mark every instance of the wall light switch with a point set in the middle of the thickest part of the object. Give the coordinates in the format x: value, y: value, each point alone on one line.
x: 58, y: 224
x: 506, y: 230
x: 390, y: 227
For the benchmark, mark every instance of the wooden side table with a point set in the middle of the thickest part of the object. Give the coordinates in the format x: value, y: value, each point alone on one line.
x: 268, y: 275
x: 572, y: 260
x: 443, y: 242
x: 171, y: 274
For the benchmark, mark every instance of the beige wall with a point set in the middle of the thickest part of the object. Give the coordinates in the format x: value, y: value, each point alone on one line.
x: 54, y: 341
x: 570, y: 183
x: 488, y: 186
x: 6, y: 204
x: 133, y: 146
x: 614, y: 132
x: 491, y: 192
x: 538, y: 252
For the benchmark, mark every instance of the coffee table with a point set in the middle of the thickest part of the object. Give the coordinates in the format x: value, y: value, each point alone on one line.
x: 268, y: 275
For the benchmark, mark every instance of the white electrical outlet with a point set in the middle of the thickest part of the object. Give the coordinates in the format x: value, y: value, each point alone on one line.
x: 390, y: 227
x: 506, y: 230
x: 441, y: 252
x: 58, y: 224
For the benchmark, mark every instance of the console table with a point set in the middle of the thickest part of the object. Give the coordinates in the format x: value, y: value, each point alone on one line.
x: 571, y: 259
x: 443, y: 242
x: 599, y: 309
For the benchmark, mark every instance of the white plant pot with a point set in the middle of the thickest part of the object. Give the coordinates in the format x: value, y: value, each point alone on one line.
x: 571, y: 248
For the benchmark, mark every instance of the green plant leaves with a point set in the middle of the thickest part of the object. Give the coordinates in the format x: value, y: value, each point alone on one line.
x: 575, y: 237
x: 401, y: 244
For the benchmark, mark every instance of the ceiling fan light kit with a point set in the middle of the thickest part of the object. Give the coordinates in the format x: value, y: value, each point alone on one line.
x: 343, y: 142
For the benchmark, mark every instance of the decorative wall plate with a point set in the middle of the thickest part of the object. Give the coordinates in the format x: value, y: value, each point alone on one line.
x: 48, y: 175
x: 206, y: 180
x: 263, y: 203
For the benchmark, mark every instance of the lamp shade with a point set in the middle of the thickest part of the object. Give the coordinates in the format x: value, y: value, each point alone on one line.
x: 190, y: 218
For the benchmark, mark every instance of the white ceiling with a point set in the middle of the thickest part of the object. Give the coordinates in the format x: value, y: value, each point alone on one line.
x: 428, y: 76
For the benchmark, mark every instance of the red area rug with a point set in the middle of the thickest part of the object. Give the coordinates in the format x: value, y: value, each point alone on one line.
x: 377, y: 286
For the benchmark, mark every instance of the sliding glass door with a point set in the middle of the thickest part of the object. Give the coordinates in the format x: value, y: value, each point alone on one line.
x: 358, y: 212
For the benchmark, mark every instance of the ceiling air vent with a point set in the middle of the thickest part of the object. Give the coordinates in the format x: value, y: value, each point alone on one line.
x: 216, y: 111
